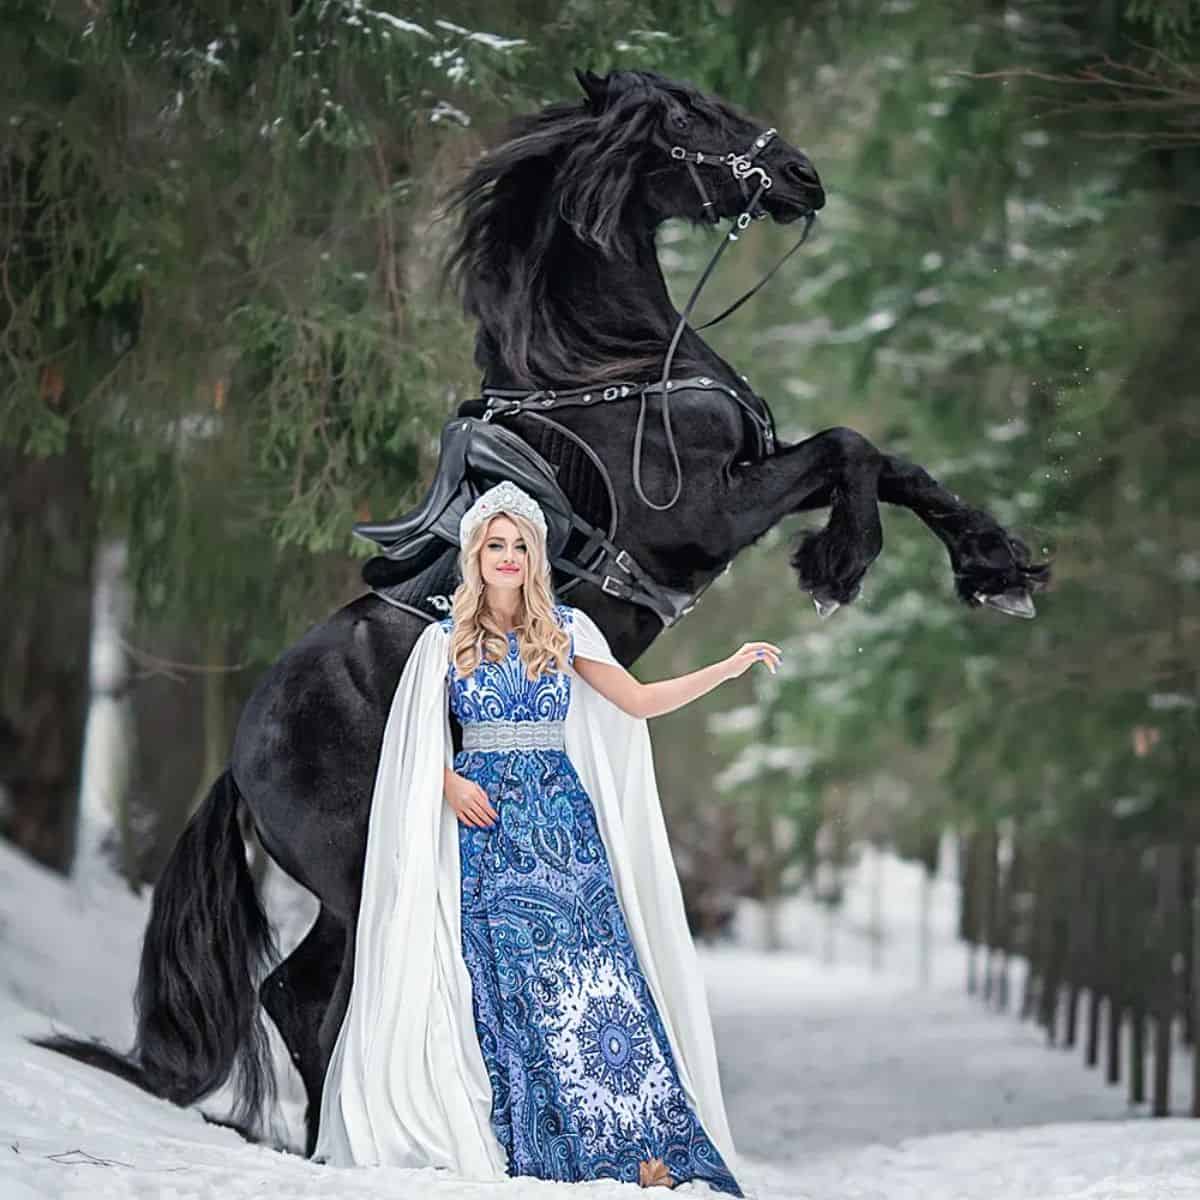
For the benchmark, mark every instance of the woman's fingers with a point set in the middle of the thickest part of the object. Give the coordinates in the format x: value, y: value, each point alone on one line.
x: 764, y: 652
x: 476, y: 809
x: 485, y: 802
x: 463, y: 809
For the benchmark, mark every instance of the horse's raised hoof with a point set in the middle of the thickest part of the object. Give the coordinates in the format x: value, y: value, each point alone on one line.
x: 826, y: 607
x: 826, y: 604
x: 995, y: 569
x: 1016, y: 602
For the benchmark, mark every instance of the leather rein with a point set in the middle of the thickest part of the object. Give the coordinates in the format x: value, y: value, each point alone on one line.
x: 501, y: 402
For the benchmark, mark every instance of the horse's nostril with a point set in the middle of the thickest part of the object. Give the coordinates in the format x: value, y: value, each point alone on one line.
x: 801, y: 173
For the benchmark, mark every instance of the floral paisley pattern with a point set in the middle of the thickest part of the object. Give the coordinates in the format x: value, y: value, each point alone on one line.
x: 584, y: 1082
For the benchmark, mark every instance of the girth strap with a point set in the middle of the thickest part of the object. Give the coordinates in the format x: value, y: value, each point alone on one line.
x: 502, y: 402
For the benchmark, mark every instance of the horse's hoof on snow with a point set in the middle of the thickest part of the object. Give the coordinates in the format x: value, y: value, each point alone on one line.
x: 1016, y: 602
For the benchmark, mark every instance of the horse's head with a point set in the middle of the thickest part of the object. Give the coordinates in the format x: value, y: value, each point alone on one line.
x: 684, y: 153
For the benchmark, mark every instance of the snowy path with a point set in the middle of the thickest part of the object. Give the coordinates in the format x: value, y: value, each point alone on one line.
x: 853, y: 1059
x: 841, y: 1085
x: 862, y: 1087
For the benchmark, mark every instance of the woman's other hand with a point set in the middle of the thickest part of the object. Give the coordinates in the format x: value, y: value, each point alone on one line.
x: 665, y: 695
x: 750, y: 653
x: 469, y: 801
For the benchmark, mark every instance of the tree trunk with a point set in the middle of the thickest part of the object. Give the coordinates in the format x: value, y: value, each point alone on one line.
x: 107, y: 748
x: 47, y: 545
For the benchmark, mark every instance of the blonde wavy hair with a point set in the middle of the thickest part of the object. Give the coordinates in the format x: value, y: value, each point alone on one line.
x: 474, y: 633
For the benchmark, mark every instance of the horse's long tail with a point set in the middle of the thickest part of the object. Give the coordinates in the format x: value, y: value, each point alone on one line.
x: 198, y: 1015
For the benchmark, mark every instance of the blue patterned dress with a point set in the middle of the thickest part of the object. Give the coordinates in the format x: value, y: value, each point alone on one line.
x: 584, y: 1082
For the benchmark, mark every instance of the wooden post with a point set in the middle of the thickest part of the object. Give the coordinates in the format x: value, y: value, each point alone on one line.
x: 1196, y: 980
x: 1095, y: 952
x: 989, y: 847
x: 1166, y: 923
x: 1137, y: 1052
x: 1055, y: 940
x: 1115, y: 926
x: 1008, y: 881
x: 1186, y: 941
x: 1076, y: 940
x: 1047, y: 989
x: 1033, y: 933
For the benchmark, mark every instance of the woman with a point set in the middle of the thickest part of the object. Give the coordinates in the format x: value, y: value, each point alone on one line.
x: 526, y: 997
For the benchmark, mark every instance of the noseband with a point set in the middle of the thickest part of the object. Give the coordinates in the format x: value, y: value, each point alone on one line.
x: 742, y: 167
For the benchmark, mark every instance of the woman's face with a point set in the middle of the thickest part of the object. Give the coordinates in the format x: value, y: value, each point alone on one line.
x: 502, y: 555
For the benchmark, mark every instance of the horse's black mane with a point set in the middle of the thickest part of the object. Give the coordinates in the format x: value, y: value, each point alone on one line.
x: 554, y: 208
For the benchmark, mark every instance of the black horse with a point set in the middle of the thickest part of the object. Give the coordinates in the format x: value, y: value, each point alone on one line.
x: 555, y: 257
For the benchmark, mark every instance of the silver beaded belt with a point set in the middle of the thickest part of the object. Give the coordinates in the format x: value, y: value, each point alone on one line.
x: 514, y: 735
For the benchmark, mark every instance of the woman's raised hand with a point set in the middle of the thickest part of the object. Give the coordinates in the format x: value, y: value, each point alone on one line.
x: 469, y: 801
x: 750, y: 653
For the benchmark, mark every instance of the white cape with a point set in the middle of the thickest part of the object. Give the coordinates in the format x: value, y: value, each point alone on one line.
x: 407, y: 1085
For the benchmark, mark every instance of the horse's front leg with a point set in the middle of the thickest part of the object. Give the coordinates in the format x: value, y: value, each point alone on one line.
x: 991, y: 566
x: 836, y: 467
x: 840, y: 468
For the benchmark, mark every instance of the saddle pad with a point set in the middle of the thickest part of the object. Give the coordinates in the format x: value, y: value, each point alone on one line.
x: 427, y: 592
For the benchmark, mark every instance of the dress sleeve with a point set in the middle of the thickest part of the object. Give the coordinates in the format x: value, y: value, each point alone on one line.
x: 587, y: 640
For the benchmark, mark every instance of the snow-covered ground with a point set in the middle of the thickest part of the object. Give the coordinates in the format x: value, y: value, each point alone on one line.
x: 844, y: 1081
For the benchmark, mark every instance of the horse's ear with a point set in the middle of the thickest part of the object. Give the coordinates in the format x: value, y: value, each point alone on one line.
x: 594, y: 88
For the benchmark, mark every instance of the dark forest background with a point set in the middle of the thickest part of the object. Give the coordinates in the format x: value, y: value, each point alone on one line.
x: 222, y: 342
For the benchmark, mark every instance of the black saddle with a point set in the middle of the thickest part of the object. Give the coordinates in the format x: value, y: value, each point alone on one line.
x: 417, y: 568
x: 475, y: 455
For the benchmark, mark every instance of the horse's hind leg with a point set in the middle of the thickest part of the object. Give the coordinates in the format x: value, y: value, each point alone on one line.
x: 831, y: 562
x: 297, y: 997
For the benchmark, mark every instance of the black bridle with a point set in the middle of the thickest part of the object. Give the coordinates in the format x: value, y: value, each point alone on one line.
x: 741, y: 165
x: 743, y: 169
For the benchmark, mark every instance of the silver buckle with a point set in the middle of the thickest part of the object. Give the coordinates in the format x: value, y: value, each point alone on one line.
x: 616, y: 584
x: 624, y: 562
x: 500, y: 406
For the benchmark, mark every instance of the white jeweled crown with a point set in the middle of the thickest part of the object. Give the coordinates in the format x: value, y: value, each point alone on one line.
x: 504, y: 497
